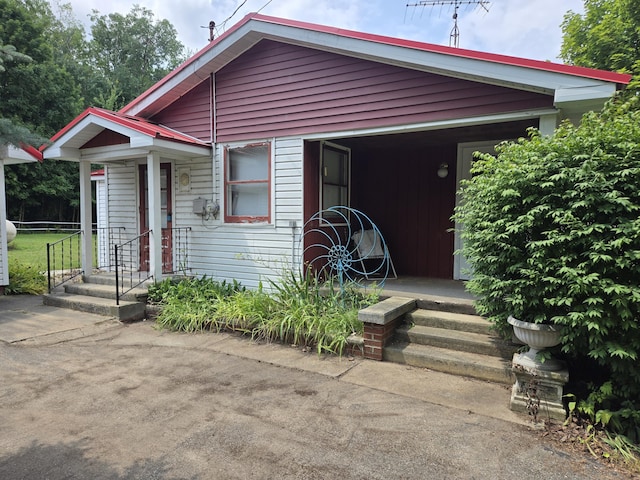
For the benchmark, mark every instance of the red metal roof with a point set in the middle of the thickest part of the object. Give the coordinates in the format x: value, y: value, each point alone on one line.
x: 602, y: 75
x: 458, y: 52
x: 135, y: 123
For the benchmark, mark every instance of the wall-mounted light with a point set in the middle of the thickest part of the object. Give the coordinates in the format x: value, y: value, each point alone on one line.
x: 443, y: 170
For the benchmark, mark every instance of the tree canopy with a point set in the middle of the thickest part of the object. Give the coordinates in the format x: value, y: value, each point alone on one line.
x: 69, y: 71
x: 133, y: 51
x: 606, y: 36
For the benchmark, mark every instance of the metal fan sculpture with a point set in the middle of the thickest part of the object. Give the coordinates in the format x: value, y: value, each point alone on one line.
x: 345, y: 243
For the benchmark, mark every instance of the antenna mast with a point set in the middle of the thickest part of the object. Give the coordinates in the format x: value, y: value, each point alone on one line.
x: 454, y: 36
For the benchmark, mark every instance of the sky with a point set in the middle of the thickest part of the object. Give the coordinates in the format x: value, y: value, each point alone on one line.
x: 529, y: 29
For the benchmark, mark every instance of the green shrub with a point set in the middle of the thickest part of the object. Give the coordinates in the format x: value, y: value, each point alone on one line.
x: 552, y: 233
x: 25, y: 279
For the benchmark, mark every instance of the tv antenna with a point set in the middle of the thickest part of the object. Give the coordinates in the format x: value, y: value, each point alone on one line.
x: 454, y: 36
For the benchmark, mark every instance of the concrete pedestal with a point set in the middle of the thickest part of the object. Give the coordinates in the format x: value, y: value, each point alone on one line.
x: 537, y: 391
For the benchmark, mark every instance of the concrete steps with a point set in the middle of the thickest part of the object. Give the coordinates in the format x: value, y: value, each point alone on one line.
x: 455, y: 342
x: 97, y: 294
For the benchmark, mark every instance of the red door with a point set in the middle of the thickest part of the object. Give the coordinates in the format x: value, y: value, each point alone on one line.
x: 166, y: 217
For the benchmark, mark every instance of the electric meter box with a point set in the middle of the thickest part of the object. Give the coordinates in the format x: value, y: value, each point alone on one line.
x: 199, y: 206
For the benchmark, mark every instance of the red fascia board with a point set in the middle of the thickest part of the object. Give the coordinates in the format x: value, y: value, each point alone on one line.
x: 603, y: 75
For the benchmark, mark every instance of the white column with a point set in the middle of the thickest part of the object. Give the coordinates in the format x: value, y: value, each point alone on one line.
x: 4, y: 253
x: 548, y: 124
x: 86, y: 218
x: 155, y: 216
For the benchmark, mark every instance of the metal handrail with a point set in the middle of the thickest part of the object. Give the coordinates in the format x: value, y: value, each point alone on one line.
x: 126, y: 259
x: 73, y: 261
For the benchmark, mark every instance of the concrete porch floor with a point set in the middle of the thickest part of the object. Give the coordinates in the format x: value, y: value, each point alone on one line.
x: 426, y: 287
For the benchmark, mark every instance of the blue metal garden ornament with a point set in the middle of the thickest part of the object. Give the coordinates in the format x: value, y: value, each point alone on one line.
x: 345, y: 243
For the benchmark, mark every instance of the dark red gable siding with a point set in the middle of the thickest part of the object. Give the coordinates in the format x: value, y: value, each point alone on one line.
x: 190, y: 114
x: 277, y: 89
x: 106, y: 138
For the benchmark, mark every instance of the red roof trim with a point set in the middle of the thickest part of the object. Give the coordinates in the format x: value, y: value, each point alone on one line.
x: 33, y: 151
x: 458, y: 52
x: 602, y: 75
x: 135, y: 123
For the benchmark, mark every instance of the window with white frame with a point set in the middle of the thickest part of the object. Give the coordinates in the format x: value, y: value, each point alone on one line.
x: 248, y: 183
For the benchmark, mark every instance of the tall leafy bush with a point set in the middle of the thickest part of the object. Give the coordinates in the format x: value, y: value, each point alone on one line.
x: 552, y: 233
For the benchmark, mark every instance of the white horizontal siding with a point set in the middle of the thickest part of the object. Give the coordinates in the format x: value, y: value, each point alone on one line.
x: 251, y: 253
x: 103, y: 222
x: 121, y: 190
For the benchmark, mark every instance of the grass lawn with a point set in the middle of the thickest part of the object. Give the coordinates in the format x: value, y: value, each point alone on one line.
x: 31, y: 249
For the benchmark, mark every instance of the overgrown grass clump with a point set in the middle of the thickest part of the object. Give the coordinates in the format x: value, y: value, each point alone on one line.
x: 25, y: 280
x: 296, y: 310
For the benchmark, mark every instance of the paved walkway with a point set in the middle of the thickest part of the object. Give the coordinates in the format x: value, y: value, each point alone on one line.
x: 25, y: 320
x: 129, y: 401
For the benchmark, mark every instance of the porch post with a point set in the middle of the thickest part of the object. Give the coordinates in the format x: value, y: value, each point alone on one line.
x: 86, y: 218
x: 548, y: 124
x: 155, y: 216
x: 4, y: 252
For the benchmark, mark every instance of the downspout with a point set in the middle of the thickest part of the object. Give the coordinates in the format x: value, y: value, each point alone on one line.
x: 214, y: 137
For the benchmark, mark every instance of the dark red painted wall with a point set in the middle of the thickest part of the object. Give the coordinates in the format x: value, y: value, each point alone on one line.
x: 411, y: 205
x: 277, y: 89
x: 190, y: 114
x: 402, y: 194
x: 105, y: 138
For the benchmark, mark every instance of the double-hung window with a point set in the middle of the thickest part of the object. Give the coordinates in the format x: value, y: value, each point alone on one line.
x: 248, y: 183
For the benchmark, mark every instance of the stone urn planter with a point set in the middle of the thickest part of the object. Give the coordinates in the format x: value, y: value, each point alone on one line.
x: 537, y: 336
x: 546, y: 379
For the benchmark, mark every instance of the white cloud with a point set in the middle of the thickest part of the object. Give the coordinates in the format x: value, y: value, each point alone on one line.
x: 529, y: 29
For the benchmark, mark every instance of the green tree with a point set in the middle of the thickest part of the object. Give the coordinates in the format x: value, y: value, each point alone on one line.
x: 133, y: 52
x: 8, y: 53
x: 10, y: 133
x: 606, y: 36
x: 70, y: 49
x: 41, y: 96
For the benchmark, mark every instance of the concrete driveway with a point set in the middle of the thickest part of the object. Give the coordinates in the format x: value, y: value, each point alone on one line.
x: 102, y: 400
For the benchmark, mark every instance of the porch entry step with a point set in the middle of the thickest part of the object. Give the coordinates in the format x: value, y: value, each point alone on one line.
x: 453, y: 321
x: 110, y: 279
x: 482, y: 367
x: 127, y: 311
x: 446, y: 304
x: 458, y: 342
x: 101, y: 290
x: 483, y: 344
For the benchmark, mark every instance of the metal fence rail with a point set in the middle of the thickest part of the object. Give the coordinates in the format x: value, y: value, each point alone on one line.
x: 46, y: 226
x: 180, y: 249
